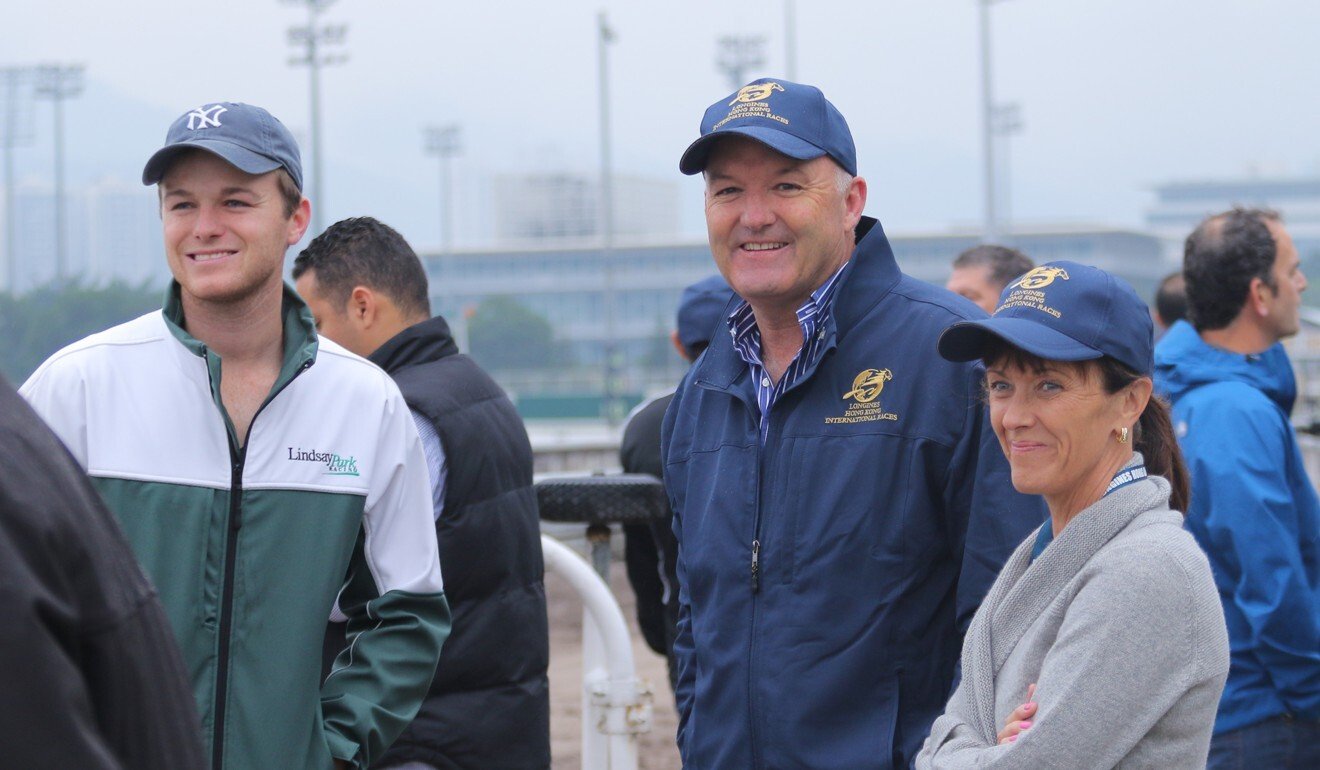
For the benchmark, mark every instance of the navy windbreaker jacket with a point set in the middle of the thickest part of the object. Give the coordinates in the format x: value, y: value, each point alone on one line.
x: 881, y: 518
x: 1257, y: 516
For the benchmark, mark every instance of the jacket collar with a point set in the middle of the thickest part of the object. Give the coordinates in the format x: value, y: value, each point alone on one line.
x: 300, y: 342
x: 864, y: 281
x: 420, y: 343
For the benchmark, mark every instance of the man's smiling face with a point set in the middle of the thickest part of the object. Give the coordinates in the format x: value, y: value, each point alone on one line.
x: 779, y: 227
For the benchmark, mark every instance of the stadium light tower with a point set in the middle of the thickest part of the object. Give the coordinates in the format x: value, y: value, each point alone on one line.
x: 311, y: 39
x: 995, y: 121
x: 735, y: 56
x: 613, y: 407
x: 58, y: 82
x: 15, y: 131
x: 443, y: 142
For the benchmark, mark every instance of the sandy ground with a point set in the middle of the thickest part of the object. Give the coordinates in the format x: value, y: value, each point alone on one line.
x: 656, y: 750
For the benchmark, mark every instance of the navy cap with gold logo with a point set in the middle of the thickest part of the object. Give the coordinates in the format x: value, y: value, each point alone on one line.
x: 790, y: 118
x: 1062, y: 311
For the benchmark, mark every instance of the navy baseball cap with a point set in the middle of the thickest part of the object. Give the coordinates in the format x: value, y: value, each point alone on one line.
x: 789, y: 118
x: 1062, y: 311
x: 700, y: 310
x: 247, y: 137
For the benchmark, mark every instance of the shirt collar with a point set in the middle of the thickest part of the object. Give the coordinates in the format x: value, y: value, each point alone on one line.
x: 812, y: 313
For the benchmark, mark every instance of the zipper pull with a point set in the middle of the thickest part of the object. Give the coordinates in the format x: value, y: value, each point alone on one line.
x: 756, y: 565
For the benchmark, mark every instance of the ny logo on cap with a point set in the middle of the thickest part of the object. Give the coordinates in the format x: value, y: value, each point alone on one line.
x: 756, y: 92
x: 205, y: 117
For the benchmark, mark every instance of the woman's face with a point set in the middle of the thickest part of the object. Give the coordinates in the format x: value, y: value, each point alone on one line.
x: 1058, y: 428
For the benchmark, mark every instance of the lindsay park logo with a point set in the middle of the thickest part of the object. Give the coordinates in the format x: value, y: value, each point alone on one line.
x: 335, y: 464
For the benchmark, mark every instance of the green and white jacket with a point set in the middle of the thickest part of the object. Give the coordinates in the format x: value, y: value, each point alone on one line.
x: 249, y: 547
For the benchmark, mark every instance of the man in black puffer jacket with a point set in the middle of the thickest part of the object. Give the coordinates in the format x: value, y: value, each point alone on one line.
x: 489, y: 704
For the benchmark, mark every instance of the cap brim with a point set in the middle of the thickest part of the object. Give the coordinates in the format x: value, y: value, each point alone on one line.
x: 239, y: 157
x: 968, y: 340
x: 695, y: 157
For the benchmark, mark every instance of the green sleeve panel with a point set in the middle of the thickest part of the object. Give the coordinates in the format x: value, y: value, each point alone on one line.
x: 380, y: 679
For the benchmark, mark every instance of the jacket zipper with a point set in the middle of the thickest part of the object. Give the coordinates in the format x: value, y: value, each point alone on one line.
x: 225, y: 630
x: 752, y: 700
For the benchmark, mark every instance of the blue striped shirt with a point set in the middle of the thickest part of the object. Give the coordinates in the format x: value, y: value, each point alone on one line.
x: 747, y: 341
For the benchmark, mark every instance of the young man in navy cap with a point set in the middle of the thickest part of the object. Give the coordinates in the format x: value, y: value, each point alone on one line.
x: 840, y: 502
x: 258, y: 471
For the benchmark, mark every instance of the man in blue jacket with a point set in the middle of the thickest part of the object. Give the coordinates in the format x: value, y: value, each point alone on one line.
x: 840, y: 502
x: 1253, y: 509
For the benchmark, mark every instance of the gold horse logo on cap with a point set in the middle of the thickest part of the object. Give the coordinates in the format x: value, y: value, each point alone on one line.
x: 1040, y: 277
x: 756, y: 92
x: 867, y: 385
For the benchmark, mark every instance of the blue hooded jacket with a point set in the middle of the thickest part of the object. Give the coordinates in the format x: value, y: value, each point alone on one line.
x: 1256, y: 514
x: 882, y: 514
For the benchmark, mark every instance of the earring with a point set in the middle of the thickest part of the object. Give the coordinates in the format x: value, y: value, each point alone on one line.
x: 1122, y: 435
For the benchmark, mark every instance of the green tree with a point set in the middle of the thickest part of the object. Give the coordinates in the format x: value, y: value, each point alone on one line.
x: 505, y: 334
x: 36, y: 324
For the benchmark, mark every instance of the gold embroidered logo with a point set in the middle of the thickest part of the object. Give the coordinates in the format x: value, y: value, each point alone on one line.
x: 755, y: 92
x: 751, y: 103
x: 1026, y: 291
x: 867, y: 386
x: 1039, y: 278
x: 866, y: 389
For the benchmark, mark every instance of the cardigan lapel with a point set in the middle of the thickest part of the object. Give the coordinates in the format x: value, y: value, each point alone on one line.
x: 1024, y: 589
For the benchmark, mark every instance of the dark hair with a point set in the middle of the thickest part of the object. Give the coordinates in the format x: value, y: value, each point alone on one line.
x: 1005, y: 264
x: 1171, y: 299
x: 1153, y: 436
x: 364, y: 252
x: 1221, y: 257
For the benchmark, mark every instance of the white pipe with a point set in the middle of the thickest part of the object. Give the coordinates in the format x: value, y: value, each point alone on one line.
x: 615, y: 707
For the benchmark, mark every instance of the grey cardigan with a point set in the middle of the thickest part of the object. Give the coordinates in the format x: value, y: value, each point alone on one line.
x: 1119, y: 625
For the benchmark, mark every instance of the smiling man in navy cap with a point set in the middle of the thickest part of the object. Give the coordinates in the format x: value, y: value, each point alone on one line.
x: 840, y: 502
x: 259, y: 472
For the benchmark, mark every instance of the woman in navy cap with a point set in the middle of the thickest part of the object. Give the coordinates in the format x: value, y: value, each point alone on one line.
x: 1102, y: 643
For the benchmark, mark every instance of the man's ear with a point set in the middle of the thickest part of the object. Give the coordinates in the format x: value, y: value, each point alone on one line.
x: 363, y: 307
x: 1259, y: 295
x: 298, y: 223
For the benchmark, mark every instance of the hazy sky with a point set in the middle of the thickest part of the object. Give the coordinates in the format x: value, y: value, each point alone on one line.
x: 1115, y: 95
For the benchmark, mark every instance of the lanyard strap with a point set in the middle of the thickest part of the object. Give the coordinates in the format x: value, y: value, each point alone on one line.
x: 1127, y: 476
x: 1121, y: 479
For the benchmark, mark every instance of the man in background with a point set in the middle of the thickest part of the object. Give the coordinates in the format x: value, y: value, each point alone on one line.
x: 981, y: 273
x: 651, y: 553
x: 1170, y: 302
x: 488, y: 705
x: 1253, y: 509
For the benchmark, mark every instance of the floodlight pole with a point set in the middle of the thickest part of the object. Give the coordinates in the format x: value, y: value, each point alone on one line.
x: 313, y: 38
x: 790, y: 40
x: 613, y: 411
x: 736, y: 55
x: 443, y: 142
x: 58, y: 82
x: 14, y: 77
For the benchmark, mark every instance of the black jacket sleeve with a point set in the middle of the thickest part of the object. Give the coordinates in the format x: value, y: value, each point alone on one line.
x: 92, y: 675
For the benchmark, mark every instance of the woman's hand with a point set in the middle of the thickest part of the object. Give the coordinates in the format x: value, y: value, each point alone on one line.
x: 1019, y: 720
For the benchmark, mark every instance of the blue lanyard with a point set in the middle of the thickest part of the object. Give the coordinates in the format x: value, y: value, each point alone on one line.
x: 1126, y: 476
x: 1121, y: 479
